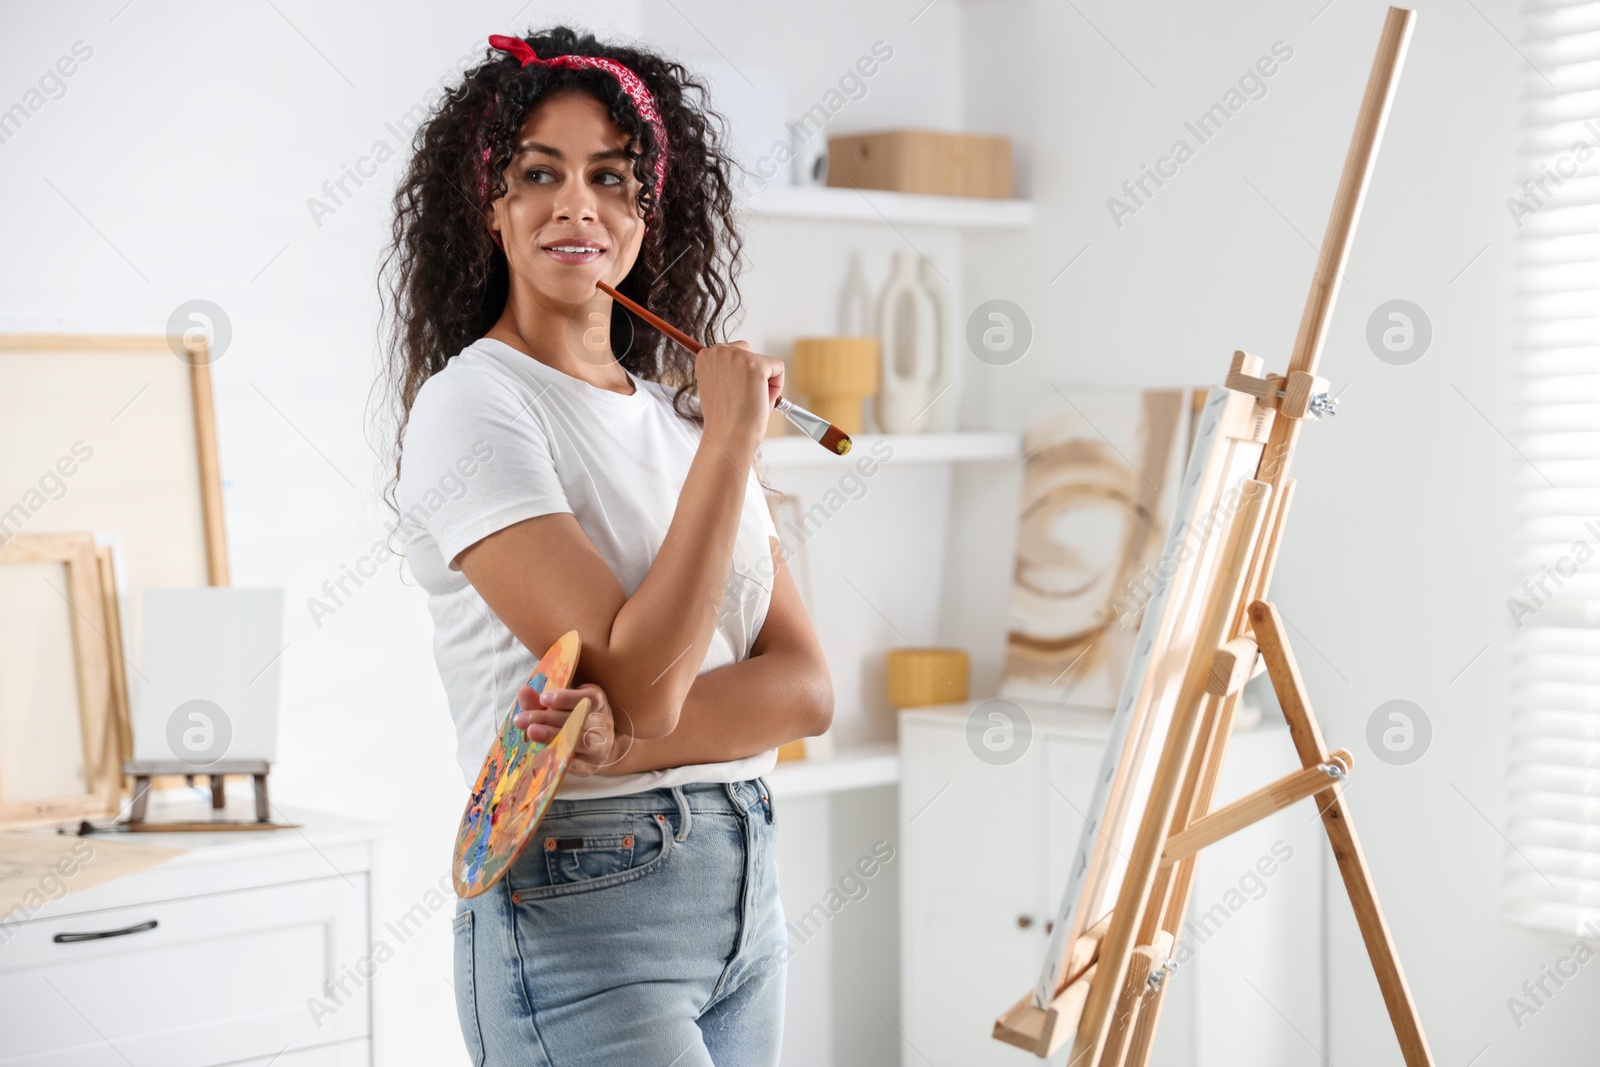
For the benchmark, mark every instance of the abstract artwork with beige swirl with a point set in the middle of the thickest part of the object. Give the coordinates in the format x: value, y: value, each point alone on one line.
x: 1099, y: 485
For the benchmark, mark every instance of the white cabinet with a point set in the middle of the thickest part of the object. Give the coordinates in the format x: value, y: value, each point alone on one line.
x: 986, y: 848
x: 971, y: 892
x: 251, y: 947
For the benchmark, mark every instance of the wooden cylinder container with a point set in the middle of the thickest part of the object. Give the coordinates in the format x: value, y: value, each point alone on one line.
x: 914, y: 677
x: 836, y: 374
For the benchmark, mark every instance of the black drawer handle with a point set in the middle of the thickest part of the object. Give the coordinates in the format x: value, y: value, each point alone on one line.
x: 62, y: 939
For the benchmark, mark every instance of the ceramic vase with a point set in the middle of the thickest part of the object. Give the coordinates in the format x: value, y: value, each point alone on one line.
x: 916, y: 357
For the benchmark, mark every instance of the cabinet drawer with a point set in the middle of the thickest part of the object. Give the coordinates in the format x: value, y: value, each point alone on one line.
x: 215, y: 979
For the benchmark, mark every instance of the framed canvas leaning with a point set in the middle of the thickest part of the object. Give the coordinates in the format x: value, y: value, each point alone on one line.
x: 58, y: 747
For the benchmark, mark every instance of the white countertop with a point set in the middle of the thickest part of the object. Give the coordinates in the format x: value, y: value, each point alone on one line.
x: 324, y: 845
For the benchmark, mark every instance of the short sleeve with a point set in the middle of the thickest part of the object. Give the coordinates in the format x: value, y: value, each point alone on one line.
x: 768, y: 526
x: 475, y: 459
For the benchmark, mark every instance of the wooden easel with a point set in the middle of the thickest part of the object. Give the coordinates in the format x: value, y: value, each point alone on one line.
x: 1113, y: 976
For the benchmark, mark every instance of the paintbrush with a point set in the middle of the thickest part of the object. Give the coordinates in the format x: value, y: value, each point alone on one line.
x: 813, y: 426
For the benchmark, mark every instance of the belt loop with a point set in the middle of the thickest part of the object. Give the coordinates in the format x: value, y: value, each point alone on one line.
x: 683, y: 812
x: 766, y: 796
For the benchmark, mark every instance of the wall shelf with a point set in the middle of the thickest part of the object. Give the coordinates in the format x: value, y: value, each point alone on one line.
x: 856, y: 767
x: 880, y: 205
x: 798, y: 450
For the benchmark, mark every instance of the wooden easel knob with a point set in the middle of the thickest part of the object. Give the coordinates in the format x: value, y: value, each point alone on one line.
x: 1297, y: 395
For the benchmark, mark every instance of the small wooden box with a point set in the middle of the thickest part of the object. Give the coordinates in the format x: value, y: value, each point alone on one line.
x: 922, y: 161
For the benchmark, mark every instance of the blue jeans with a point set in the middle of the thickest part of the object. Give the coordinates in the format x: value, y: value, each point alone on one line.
x: 633, y: 931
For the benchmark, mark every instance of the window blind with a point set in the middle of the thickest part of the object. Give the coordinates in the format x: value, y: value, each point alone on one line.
x: 1552, y: 873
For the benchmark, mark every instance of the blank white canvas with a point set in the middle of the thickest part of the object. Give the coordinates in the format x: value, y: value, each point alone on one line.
x: 222, y: 644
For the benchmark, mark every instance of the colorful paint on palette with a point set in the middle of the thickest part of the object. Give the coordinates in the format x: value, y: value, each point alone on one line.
x: 518, y: 780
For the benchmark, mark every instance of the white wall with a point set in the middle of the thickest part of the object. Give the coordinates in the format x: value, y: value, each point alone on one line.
x: 1396, y: 564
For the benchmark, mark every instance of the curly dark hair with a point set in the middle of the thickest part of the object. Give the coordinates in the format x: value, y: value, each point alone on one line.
x: 444, y: 281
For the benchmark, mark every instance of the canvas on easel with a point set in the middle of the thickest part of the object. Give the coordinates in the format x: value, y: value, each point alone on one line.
x: 1207, y: 632
x: 1216, y: 486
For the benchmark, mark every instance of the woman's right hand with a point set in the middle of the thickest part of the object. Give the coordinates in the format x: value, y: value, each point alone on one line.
x: 738, y: 388
x: 541, y: 715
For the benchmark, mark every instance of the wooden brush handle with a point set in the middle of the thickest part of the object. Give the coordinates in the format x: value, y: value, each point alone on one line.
x: 653, y: 319
x: 834, y: 439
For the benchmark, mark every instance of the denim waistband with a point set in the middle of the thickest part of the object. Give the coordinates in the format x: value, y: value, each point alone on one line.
x: 736, y: 797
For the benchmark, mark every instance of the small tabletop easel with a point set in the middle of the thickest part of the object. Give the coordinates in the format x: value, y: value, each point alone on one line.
x: 1104, y: 982
x: 142, y: 771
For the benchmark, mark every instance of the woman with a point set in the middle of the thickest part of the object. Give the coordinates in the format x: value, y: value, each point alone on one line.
x: 550, y: 480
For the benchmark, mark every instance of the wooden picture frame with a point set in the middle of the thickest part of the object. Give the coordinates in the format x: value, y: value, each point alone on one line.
x: 120, y: 728
x: 116, y: 432
x: 56, y: 683
x: 154, y: 414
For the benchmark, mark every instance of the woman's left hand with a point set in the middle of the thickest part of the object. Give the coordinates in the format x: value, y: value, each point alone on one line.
x: 542, y: 716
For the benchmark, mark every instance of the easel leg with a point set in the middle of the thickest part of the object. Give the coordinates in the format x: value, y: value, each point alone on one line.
x: 1135, y: 997
x: 1124, y: 1014
x: 1200, y: 785
x: 1144, y: 1030
x: 1289, y: 686
x: 141, y: 798
x: 1178, y: 879
x: 1200, y: 782
x: 261, y: 797
x: 1133, y: 898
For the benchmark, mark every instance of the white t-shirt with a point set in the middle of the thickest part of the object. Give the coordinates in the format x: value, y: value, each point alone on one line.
x: 497, y: 437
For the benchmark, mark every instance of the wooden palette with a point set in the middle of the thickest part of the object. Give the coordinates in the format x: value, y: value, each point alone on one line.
x: 518, y: 780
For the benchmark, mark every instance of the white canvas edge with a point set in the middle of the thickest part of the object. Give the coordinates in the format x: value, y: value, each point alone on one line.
x: 1206, y: 440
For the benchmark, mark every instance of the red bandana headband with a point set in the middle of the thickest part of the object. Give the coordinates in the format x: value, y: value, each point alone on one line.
x: 631, y: 84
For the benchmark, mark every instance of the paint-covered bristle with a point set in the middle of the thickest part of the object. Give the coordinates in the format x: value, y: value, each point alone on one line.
x: 835, y: 440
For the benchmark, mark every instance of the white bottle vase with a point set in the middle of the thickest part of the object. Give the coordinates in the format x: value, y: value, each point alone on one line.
x: 910, y: 336
x: 855, y: 302
x: 941, y: 415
